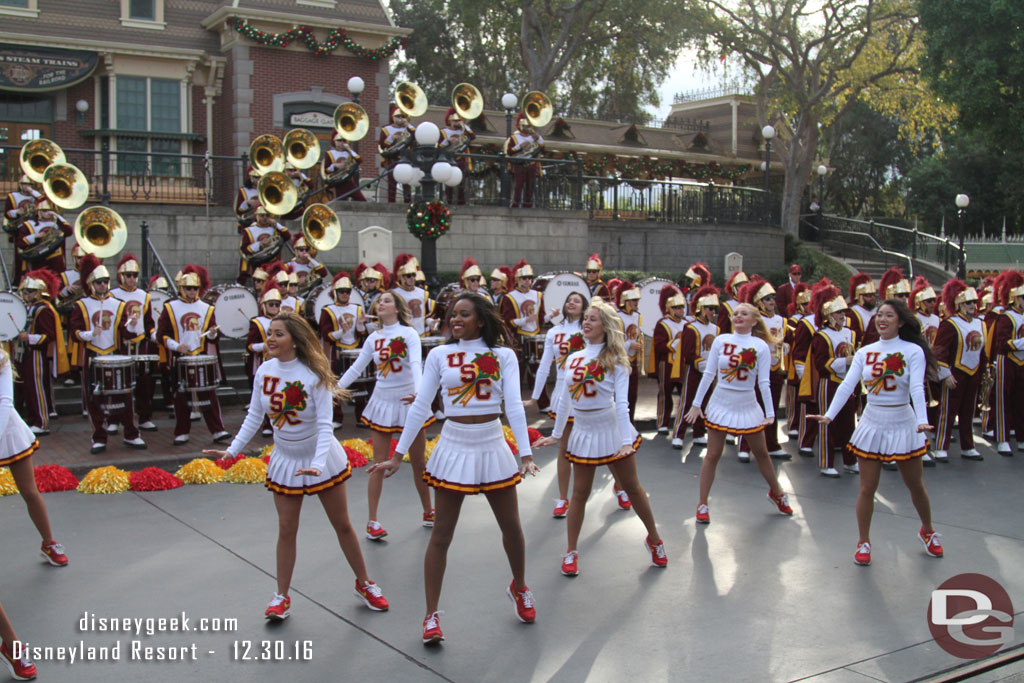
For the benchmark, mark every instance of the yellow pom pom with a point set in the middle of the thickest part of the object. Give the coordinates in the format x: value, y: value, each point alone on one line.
x: 267, y: 450
x: 247, y: 471
x: 430, y: 447
x: 362, y: 446
x: 200, y: 471
x: 509, y: 436
x: 7, y: 485
x: 107, y: 479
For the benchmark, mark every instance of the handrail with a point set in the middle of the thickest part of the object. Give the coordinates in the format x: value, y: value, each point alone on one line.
x: 879, y: 247
x: 148, y: 248
x: 7, y: 276
x: 899, y: 237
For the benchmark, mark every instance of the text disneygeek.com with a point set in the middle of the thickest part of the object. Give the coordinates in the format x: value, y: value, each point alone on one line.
x: 140, y: 649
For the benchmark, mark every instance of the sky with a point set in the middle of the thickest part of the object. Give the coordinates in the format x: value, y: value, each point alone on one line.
x: 684, y: 77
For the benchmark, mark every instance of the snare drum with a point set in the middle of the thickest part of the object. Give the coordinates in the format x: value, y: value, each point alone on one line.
x: 13, y: 316
x: 147, y: 363
x: 112, y: 375
x: 361, y: 385
x: 198, y: 373
x: 427, y: 343
x: 532, y: 346
x: 234, y: 306
x: 556, y: 288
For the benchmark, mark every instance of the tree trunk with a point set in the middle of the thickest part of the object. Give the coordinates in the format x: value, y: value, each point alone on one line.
x: 798, y: 158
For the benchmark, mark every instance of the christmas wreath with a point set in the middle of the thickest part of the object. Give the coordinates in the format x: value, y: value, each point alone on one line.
x: 428, y: 220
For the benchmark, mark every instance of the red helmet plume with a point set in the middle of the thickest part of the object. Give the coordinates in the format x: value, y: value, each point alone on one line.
x: 701, y: 271
x: 749, y: 289
x: 702, y: 293
x: 950, y: 291
x: 920, y: 285
x: 668, y: 292
x: 385, y: 282
x: 401, y: 260
x: 798, y: 289
x: 823, y: 292
x: 622, y: 286
x: 1007, y: 280
x: 737, y: 278
x: 448, y: 114
x: 856, y: 281
x: 49, y: 278
x: 202, y: 273
x: 889, y: 278
x: 86, y: 265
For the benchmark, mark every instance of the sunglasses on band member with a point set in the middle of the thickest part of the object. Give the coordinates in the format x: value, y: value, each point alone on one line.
x: 343, y: 290
x: 472, y: 279
x: 593, y: 271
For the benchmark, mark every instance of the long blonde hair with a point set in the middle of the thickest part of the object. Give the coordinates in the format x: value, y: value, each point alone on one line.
x: 401, y: 308
x: 760, y: 329
x: 614, y: 352
x: 310, y: 353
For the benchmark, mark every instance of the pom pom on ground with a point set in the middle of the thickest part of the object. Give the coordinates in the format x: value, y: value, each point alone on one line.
x: 534, y: 434
x: 359, y: 451
x: 430, y: 447
x: 355, y: 458
x: 226, y: 463
x: 7, y: 485
x: 107, y: 479
x: 200, y: 471
x: 153, y: 479
x: 266, y: 451
x: 51, y: 478
x: 247, y: 471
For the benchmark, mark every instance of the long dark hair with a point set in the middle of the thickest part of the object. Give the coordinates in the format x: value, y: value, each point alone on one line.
x: 310, y: 353
x: 492, y: 327
x: 585, y: 300
x: 401, y: 308
x: 910, y: 331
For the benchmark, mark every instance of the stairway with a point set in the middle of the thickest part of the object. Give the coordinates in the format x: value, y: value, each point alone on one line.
x: 857, y: 264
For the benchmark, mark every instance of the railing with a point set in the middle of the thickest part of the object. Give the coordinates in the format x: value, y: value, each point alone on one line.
x: 677, y: 202
x: 892, y: 241
x: 149, y: 250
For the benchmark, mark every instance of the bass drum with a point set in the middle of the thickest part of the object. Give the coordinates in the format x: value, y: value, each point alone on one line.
x: 323, y: 295
x: 556, y: 288
x: 157, y: 299
x: 650, y: 302
x: 234, y: 306
x: 13, y: 316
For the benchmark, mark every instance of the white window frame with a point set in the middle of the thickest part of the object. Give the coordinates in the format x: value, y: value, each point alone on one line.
x: 185, y: 169
x: 32, y: 11
x: 157, y: 24
x: 329, y: 4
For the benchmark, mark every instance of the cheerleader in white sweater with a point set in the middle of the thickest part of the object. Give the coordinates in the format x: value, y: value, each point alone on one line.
x: 297, y: 389
x: 17, y: 444
x: 595, y: 391
x: 893, y: 372
x: 739, y: 360
x: 395, y: 352
x: 476, y: 374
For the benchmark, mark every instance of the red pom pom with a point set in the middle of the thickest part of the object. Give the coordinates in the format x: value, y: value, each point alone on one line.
x: 265, y: 459
x: 355, y: 458
x: 226, y: 463
x: 534, y: 434
x: 512, y: 445
x: 55, y: 478
x: 153, y: 479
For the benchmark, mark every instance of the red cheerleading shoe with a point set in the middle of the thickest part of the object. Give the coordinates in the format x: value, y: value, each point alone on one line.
x: 371, y: 594
x: 932, y: 546
x: 781, y: 502
x: 432, y: 629
x: 523, y: 600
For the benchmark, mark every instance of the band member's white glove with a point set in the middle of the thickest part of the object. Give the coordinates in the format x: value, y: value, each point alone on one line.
x: 183, y: 348
x: 337, y: 334
x: 87, y: 335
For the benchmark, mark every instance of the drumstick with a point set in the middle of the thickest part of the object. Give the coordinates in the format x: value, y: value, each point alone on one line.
x: 212, y: 329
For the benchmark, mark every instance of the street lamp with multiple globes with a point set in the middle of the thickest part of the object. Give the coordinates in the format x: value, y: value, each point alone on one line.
x: 962, y: 202
x: 769, y: 133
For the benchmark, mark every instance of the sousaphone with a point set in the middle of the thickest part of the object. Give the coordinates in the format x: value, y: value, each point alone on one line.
x: 100, y: 231
x: 37, y: 155
x: 302, y: 148
x: 321, y: 227
x: 266, y: 154
x: 65, y: 185
x: 277, y: 193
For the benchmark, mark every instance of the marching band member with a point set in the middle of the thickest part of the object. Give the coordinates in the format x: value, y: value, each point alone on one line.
x: 560, y: 341
x: 732, y: 292
x: 70, y: 282
x: 787, y: 290
x: 292, y: 302
x: 296, y: 387
x: 40, y: 354
x: 476, y: 373
x: 959, y: 349
x: 697, y: 276
x: 338, y: 160
x: 373, y: 281
x: 759, y: 293
x: 17, y: 444
x: 595, y: 284
x: 395, y: 137
x: 257, y: 237
x: 892, y: 285
x: 993, y: 305
x: 796, y: 312
x: 259, y: 280
x: 1008, y: 353
x: 627, y: 300
x: 248, y: 199
x: 922, y: 303
x: 415, y: 298
x: 302, y: 185
x: 256, y: 340
x: 339, y: 325
x: 593, y: 390
x: 471, y: 277
x: 396, y: 354
x: 304, y: 264
x: 862, y: 310
x: 892, y: 370
x: 187, y: 327
x: 739, y: 360
x: 498, y: 286
x: 832, y: 348
x: 523, y: 312
x: 694, y: 344
x: 21, y: 203
x: 456, y: 137
x: 803, y: 335
x: 37, y: 228
x: 166, y: 386
x: 142, y: 328
x: 99, y: 327
x: 523, y: 147
x: 664, y: 347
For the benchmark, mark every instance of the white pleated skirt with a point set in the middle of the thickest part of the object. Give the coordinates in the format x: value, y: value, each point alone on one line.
x: 595, y: 437
x: 385, y: 412
x: 289, y: 456
x: 887, y: 433
x: 17, y: 442
x: 472, y: 458
x: 734, y: 412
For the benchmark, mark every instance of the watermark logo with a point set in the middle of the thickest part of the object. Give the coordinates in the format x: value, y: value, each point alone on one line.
x: 971, y: 616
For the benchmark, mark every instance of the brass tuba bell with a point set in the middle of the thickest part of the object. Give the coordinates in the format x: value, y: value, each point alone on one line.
x: 411, y: 99
x: 537, y: 108
x: 277, y: 193
x: 321, y: 227
x: 302, y: 148
x: 37, y: 155
x: 65, y: 185
x: 100, y: 231
x: 266, y: 154
x: 468, y: 101
x: 351, y: 121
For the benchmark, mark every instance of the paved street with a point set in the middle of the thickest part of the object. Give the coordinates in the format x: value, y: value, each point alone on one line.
x: 753, y: 596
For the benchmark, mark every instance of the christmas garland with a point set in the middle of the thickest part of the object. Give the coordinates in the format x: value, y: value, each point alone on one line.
x: 336, y: 37
x: 428, y: 220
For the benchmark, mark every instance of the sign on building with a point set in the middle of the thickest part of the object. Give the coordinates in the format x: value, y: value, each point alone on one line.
x: 375, y: 245
x: 310, y: 119
x: 733, y: 263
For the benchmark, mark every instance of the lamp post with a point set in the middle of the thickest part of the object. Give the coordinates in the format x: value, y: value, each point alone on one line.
x: 822, y: 170
x: 768, y: 132
x: 962, y: 202
x: 509, y: 102
x: 81, y: 106
x: 424, y: 166
x: 356, y: 87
